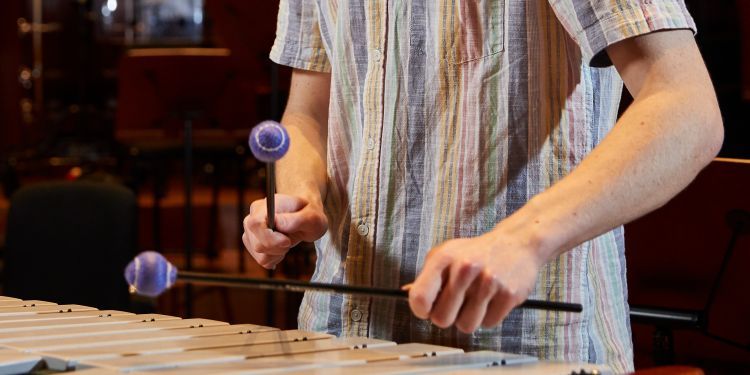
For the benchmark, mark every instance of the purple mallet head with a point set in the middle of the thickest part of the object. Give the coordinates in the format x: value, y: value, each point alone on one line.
x: 269, y: 141
x: 149, y: 274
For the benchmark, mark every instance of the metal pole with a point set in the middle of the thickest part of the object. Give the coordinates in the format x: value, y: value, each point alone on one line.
x: 188, y: 250
x: 37, y: 31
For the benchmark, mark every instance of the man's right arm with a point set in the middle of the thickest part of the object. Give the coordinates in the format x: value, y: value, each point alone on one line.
x: 301, y: 175
x: 302, y: 172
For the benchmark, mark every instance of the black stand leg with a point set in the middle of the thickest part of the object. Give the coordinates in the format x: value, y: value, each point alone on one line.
x: 159, y: 192
x: 188, y: 141
x: 241, y: 209
x: 663, y: 346
x: 212, y: 248
x: 739, y: 222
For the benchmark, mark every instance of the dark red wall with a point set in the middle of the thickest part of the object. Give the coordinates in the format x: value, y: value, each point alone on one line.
x: 745, y: 28
x: 10, y: 130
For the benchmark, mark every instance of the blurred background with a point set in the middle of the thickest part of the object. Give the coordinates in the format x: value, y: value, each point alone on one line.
x: 153, y: 99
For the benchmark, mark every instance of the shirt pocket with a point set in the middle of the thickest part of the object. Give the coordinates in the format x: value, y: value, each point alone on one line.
x: 481, y: 29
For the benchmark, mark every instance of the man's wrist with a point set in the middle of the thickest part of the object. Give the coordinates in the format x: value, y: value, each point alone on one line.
x: 533, y: 228
x: 308, y: 191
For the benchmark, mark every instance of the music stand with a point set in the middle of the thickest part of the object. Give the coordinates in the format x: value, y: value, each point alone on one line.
x: 688, y: 261
x: 173, y: 99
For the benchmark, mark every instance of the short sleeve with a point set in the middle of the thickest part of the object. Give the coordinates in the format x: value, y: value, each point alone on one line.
x: 597, y: 24
x: 298, y: 41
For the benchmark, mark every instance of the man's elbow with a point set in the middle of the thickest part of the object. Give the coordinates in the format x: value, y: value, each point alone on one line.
x: 712, y: 135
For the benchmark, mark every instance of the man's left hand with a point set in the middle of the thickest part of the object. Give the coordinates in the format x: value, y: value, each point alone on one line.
x: 473, y: 281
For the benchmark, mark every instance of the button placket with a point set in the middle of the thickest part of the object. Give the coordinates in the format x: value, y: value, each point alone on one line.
x: 361, y: 239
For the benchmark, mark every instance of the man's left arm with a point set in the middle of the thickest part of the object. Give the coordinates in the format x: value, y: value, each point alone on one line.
x: 669, y: 133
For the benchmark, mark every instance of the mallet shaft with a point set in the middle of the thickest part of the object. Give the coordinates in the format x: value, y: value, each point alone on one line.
x: 271, y: 194
x: 301, y: 286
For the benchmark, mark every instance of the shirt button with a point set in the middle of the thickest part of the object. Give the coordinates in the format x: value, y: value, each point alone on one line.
x: 363, y: 229
x: 356, y: 315
x: 376, y: 55
x: 370, y: 144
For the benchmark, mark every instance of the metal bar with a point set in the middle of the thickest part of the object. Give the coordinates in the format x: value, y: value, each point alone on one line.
x: 656, y: 315
x: 301, y: 286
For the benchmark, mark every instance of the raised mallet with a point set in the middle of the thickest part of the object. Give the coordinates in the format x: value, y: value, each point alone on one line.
x: 269, y: 141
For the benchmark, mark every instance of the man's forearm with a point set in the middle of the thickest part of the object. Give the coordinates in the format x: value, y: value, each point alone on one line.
x: 649, y: 157
x: 671, y: 131
x: 300, y: 177
x: 302, y: 172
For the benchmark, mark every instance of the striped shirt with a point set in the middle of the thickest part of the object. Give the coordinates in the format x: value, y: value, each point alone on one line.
x: 447, y: 116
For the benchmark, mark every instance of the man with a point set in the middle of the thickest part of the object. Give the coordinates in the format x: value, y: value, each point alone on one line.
x: 470, y: 147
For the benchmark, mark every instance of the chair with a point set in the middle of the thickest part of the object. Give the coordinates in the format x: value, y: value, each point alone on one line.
x: 68, y: 242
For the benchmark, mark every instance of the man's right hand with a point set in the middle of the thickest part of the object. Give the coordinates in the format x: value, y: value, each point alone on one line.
x: 296, y: 219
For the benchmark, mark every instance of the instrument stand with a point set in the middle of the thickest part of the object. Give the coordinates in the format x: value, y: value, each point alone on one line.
x: 666, y: 320
x: 663, y: 340
x: 688, y: 268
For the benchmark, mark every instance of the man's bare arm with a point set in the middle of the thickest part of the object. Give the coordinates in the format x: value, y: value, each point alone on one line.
x: 669, y: 133
x: 302, y: 172
x: 301, y: 177
x: 672, y: 130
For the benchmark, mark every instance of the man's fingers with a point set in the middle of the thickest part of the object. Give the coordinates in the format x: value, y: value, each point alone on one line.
x: 451, y: 297
x: 255, y: 221
x: 284, y: 204
x: 268, y: 240
x: 477, y: 299
x: 246, y: 241
x: 498, y: 308
x: 272, y: 242
x: 268, y: 261
x: 426, y: 287
x: 264, y: 240
x: 292, y: 223
x: 305, y: 225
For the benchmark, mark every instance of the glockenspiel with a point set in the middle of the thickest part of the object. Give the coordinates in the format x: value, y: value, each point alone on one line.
x: 43, y: 336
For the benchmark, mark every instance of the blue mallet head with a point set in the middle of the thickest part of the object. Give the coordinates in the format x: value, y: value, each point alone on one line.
x: 150, y: 274
x: 269, y: 141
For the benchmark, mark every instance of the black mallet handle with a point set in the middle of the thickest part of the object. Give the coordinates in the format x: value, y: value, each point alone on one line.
x: 271, y: 194
x: 301, y: 286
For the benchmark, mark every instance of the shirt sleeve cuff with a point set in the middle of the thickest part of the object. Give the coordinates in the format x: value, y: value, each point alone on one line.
x: 622, y: 25
x: 290, y: 53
